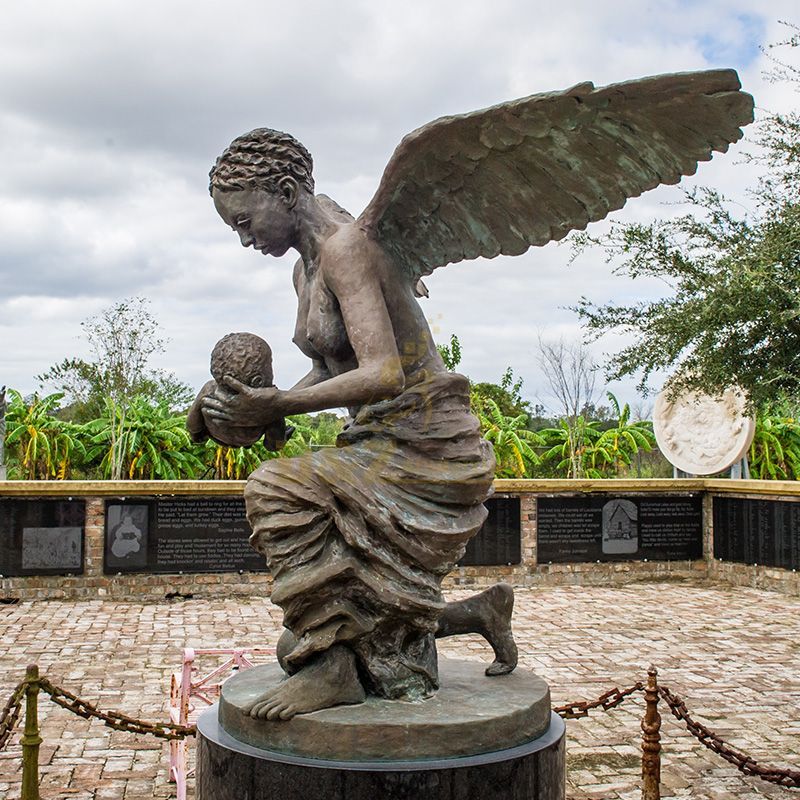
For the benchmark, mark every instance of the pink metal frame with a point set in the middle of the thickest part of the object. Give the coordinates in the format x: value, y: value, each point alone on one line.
x: 185, y: 686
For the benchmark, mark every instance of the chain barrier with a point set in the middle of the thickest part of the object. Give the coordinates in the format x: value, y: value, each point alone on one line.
x: 114, y: 719
x: 9, y: 716
x: 611, y: 699
x: 788, y: 778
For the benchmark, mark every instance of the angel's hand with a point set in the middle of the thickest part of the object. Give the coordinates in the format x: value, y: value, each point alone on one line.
x: 244, y: 406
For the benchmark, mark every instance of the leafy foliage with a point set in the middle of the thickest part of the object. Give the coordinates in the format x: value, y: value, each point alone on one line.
x: 734, y: 313
x: 38, y: 445
x: 236, y: 463
x: 450, y: 353
x: 513, y: 444
x: 507, y: 395
x: 231, y: 463
x: 775, y: 451
x: 144, y: 441
x: 581, y: 448
x: 122, y: 338
x: 571, y: 374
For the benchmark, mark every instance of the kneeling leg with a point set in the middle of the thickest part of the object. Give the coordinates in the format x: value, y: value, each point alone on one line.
x: 489, y: 614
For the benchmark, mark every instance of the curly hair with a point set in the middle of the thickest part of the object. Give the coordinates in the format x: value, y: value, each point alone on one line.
x: 257, y: 160
x: 242, y: 355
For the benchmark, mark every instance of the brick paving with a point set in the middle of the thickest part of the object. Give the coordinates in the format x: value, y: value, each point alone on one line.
x: 734, y: 654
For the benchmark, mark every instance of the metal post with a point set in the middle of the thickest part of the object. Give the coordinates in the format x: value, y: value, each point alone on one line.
x: 30, y: 738
x: 2, y: 433
x: 651, y: 740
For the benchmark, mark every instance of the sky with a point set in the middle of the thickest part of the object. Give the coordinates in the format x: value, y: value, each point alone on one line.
x: 112, y: 113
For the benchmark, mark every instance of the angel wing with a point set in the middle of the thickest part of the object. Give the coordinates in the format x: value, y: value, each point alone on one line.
x: 527, y: 172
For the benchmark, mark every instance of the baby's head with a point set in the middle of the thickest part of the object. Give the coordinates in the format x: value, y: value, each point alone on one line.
x: 244, y: 356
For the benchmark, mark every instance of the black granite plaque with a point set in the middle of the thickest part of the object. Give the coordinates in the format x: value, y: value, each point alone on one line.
x: 765, y: 532
x: 41, y: 537
x: 179, y: 534
x: 605, y: 528
x: 499, y: 540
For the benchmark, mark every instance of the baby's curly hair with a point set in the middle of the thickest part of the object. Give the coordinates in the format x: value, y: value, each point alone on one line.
x: 258, y: 159
x: 242, y: 355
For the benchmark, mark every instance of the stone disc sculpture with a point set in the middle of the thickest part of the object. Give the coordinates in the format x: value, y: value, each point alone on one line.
x: 358, y: 538
x: 701, y: 434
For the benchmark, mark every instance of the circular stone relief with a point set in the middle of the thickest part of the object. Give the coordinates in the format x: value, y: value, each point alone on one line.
x: 701, y: 434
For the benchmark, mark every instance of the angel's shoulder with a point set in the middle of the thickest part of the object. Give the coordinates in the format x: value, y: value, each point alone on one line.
x: 351, y: 250
x: 348, y: 238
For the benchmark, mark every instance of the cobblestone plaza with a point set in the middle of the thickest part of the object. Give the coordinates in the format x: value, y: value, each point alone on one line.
x: 733, y: 654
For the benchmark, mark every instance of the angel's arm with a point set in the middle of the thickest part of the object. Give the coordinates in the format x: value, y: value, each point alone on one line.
x: 350, y: 275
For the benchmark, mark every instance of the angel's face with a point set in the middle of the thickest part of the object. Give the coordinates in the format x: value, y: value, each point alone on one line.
x: 262, y: 219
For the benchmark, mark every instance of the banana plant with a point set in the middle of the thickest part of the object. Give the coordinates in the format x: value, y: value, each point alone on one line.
x: 615, y: 447
x: 513, y: 443
x: 147, y: 441
x: 40, y: 446
x: 775, y: 451
x: 583, y: 449
x: 568, y: 445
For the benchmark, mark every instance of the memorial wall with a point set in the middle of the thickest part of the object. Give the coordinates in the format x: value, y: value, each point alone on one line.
x: 41, y: 537
x: 606, y: 528
x: 753, y: 531
x: 178, y: 534
x: 128, y: 539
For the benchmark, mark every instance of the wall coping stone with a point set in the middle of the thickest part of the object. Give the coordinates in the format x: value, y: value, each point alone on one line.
x: 542, y: 486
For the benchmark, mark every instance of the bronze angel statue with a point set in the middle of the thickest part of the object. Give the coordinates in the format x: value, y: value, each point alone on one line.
x: 359, y: 537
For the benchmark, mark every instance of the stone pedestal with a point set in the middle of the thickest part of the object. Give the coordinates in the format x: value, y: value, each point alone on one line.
x: 478, y: 738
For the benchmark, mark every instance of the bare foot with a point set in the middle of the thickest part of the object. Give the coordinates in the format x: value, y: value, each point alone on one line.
x: 329, y: 680
x: 497, y: 620
x: 489, y: 614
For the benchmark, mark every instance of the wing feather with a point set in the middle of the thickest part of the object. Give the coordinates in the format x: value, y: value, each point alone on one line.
x: 531, y: 170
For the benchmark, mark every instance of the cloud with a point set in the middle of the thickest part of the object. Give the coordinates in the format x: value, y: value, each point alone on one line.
x: 111, y: 115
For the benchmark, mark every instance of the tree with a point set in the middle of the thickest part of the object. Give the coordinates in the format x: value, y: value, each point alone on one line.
x: 571, y: 374
x: 615, y: 446
x: 566, y: 444
x: 123, y: 338
x: 450, y: 353
x: 507, y: 395
x: 734, y: 315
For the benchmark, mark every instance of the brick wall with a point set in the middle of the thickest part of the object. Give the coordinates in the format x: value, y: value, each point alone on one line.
x: 93, y: 583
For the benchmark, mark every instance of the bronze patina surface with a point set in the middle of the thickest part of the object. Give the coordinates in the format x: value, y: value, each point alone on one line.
x: 358, y: 538
x: 467, y: 716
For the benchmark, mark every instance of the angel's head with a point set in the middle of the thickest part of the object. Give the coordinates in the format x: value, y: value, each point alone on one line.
x: 256, y: 184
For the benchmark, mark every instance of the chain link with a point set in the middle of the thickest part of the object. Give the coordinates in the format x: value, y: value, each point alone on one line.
x: 9, y: 716
x: 783, y: 777
x: 114, y: 719
x: 789, y: 778
x: 611, y: 699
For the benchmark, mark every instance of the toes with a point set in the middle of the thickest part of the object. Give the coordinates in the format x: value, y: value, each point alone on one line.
x: 262, y: 708
x: 276, y: 712
x: 249, y: 709
x: 288, y: 712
